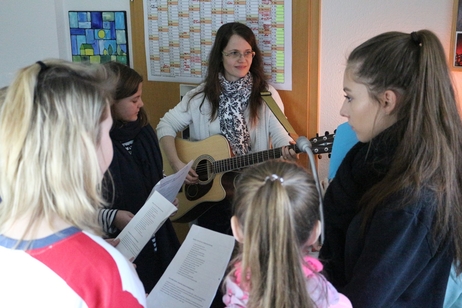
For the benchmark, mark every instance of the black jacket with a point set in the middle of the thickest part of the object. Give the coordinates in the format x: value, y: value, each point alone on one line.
x: 134, y: 176
x: 395, y: 262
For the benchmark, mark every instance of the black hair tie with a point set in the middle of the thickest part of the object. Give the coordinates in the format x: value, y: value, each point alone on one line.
x: 43, y: 66
x: 416, y: 39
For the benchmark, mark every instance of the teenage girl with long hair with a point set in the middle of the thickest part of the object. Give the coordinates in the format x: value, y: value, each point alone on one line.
x: 393, y: 212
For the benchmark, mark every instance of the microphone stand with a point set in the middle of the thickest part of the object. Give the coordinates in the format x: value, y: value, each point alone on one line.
x: 304, y: 145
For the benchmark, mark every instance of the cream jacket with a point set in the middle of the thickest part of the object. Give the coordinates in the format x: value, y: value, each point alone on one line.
x: 266, y: 133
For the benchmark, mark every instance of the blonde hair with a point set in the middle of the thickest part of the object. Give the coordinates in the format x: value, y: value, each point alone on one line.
x: 2, y: 94
x: 276, y: 205
x: 49, y: 131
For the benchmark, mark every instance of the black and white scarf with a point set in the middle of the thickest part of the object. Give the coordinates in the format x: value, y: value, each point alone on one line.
x: 234, y: 99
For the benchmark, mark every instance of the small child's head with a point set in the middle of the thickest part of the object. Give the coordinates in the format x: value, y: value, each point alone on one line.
x: 276, y: 216
x: 275, y: 198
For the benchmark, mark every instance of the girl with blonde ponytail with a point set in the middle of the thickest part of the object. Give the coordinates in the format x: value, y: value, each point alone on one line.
x: 276, y: 221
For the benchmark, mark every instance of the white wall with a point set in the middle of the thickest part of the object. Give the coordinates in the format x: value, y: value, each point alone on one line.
x: 346, y: 24
x: 28, y: 34
x: 37, y: 29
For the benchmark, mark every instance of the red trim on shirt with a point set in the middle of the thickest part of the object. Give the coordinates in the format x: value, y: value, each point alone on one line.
x: 88, y: 269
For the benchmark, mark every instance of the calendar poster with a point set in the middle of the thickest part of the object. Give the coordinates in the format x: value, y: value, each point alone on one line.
x: 180, y: 33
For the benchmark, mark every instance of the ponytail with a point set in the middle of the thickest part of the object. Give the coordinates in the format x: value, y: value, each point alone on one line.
x: 276, y: 207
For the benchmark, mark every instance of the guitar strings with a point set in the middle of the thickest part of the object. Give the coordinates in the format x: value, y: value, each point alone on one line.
x: 238, y: 162
x: 323, y: 144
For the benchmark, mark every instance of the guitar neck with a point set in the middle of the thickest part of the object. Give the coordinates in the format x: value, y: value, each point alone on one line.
x: 238, y: 162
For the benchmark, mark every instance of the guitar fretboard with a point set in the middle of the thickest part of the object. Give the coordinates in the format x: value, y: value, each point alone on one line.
x: 238, y: 162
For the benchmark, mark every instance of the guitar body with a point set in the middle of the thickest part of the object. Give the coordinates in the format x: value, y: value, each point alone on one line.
x: 194, y: 200
x: 217, y: 170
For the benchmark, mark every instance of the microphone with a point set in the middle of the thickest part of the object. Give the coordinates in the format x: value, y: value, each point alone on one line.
x: 303, y: 144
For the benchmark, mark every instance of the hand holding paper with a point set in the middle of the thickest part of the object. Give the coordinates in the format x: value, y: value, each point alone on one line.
x: 170, y: 185
x: 152, y: 215
x: 145, y: 223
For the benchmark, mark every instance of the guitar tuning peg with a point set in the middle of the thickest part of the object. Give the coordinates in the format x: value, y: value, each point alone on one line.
x: 329, y: 155
x: 319, y: 156
x: 326, y: 133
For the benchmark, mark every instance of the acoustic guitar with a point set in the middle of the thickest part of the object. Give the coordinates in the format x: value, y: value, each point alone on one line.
x: 217, y: 170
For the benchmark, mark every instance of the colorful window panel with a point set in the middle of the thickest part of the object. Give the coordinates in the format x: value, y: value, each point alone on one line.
x: 99, y: 37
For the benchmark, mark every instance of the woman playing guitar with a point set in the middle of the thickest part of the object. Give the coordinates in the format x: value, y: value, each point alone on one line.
x: 228, y: 103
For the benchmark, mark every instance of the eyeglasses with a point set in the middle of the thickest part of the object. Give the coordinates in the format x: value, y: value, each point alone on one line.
x: 237, y: 55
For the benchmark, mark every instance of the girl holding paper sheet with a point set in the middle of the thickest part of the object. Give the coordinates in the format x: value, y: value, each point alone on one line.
x: 135, y: 169
x: 55, y: 121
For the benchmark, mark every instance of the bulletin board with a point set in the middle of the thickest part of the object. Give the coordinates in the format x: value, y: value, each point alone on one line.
x: 179, y: 35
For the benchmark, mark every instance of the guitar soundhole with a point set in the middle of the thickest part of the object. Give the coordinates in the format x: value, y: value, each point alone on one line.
x: 204, y: 169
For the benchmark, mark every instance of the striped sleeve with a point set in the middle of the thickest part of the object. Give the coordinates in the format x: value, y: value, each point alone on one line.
x: 106, y: 218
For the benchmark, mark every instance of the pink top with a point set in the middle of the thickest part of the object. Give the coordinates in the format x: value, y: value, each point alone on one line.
x: 321, y: 291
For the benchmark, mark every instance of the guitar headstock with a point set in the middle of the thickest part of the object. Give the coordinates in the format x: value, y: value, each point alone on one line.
x: 322, y: 144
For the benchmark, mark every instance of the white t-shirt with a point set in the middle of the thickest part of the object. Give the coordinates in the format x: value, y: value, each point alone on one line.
x: 71, y: 268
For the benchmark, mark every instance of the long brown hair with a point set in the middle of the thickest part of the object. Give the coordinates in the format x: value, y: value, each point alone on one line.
x: 276, y: 205
x: 428, y: 130
x: 212, y: 88
x: 128, y: 81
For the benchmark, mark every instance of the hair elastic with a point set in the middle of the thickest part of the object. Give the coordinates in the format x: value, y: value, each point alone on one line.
x: 415, y: 38
x: 273, y: 178
x: 43, y: 66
